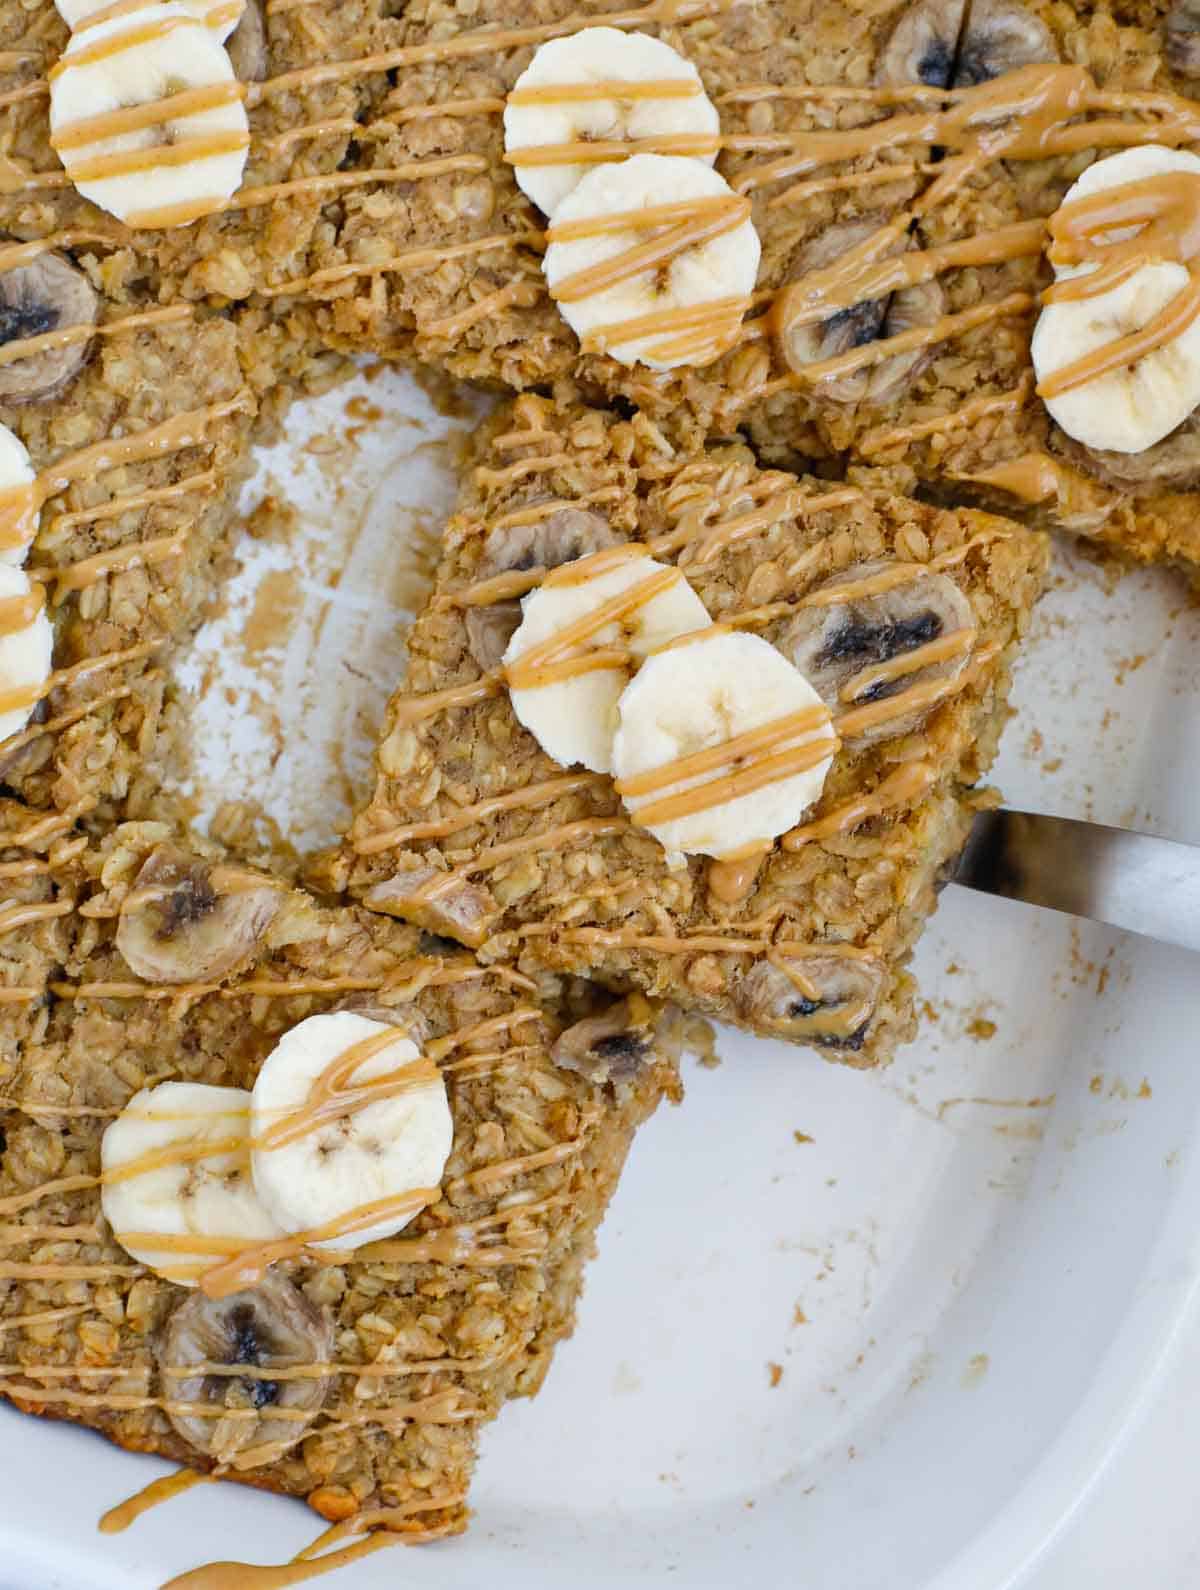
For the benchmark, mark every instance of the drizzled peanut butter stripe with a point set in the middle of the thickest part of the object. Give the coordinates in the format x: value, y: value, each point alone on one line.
x: 18, y: 348
x: 1170, y: 323
x: 806, y: 721
x: 131, y: 162
x: 46, y: 827
x: 28, y: 91
x: 412, y: 259
x: 334, y: 1095
x: 203, y: 482
x: 482, y: 41
x: 403, y: 114
x: 932, y: 694
x: 530, y: 797
x: 48, y: 1316
x: 141, y: 554
x: 883, y: 437
x: 20, y: 996
x: 14, y: 255
x: 109, y: 49
x: 901, y: 789
x: 414, y: 708
x: 501, y: 1171
x: 519, y: 470
x: 17, y: 915
x: 622, y: 89
x: 705, y: 218
x: 605, y: 151
x: 332, y: 126
x: 943, y: 649
x: 10, y: 1270
x: 249, y: 1266
x: 135, y: 118
x: 171, y: 436
x: 733, y: 785
x: 18, y: 612
x: 252, y: 1576
x: 942, y: 330
x: 709, y: 319
x: 552, y: 660
x: 536, y: 512
x: 522, y: 294
x: 119, y: 1518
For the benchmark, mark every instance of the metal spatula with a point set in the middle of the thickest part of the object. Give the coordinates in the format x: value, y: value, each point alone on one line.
x: 1134, y: 881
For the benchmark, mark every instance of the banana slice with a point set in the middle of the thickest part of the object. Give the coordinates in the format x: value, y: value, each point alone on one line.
x: 1130, y: 409
x: 26, y: 648
x: 344, y: 1116
x: 669, y: 286
x: 605, y: 88
x: 147, y: 116
x: 721, y: 745
x: 18, y: 499
x: 176, y: 1163
x: 220, y: 15
x: 580, y: 636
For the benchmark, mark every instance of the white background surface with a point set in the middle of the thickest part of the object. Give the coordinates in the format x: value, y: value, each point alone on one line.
x: 978, y: 1280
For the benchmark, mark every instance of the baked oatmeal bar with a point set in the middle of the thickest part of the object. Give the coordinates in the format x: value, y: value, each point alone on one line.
x: 962, y: 421
x: 473, y: 831
x: 388, y: 1360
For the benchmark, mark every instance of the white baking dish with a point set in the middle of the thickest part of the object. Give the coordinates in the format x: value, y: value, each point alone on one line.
x: 977, y: 1282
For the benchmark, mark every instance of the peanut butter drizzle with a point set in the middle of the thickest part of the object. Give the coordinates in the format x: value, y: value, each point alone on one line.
x: 696, y: 221
x: 171, y: 436
x: 731, y: 878
x: 930, y: 694
x: 835, y: 1022
x: 204, y: 482
x: 543, y: 510
x: 248, y: 1266
x: 907, y: 784
x: 141, y: 554
x: 557, y: 1154
x: 884, y: 437
x: 552, y: 660
x: 15, y: 255
x: 1164, y: 211
x: 861, y: 276
x: 553, y: 838
x: 108, y: 49
x: 446, y: 107
x: 18, y: 519
x: 411, y: 259
x: 130, y: 162
x: 18, y: 612
x: 481, y: 41
x: 741, y: 748
x: 524, y: 293
x: 250, y: 1576
x: 135, y: 118
x: 731, y: 786
x: 415, y: 708
x: 334, y: 1095
x: 530, y: 797
x: 1032, y: 478
x: 607, y: 88
x: 119, y: 1518
x: 605, y: 151
x: 942, y: 649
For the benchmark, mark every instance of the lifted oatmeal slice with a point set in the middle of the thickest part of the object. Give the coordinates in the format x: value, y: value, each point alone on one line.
x: 781, y: 822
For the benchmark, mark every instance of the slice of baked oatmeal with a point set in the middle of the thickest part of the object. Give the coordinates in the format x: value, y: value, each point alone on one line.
x: 138, y: 445
x: 357, y: 1379
x: 905, y: 617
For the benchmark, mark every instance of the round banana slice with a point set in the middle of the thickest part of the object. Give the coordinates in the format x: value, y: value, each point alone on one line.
x: 147, y: 116
x: 49, y: 294
x: 247, y: 1418
x: 581, y: 635
x: 26, y: 648
x: 335, y: 1134
x: 721, y: 744
x: 602, y: 87
x: 18, y: 499
x: 176, y: 1167
x: 1126, y: 410
x: 653, y: 261
x: 219, y: 15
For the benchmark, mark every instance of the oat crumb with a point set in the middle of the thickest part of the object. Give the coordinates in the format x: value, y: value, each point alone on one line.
x: 803, y: 1137
x: 774, y: 1374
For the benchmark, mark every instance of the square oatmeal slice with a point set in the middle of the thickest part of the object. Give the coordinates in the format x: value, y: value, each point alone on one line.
x: 905, y: 620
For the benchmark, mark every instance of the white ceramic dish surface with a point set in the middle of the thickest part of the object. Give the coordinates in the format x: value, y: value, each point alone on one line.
x: 976, y: 1275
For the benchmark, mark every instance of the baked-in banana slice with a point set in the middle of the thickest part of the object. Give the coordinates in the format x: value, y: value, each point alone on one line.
x: 221, y: 16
